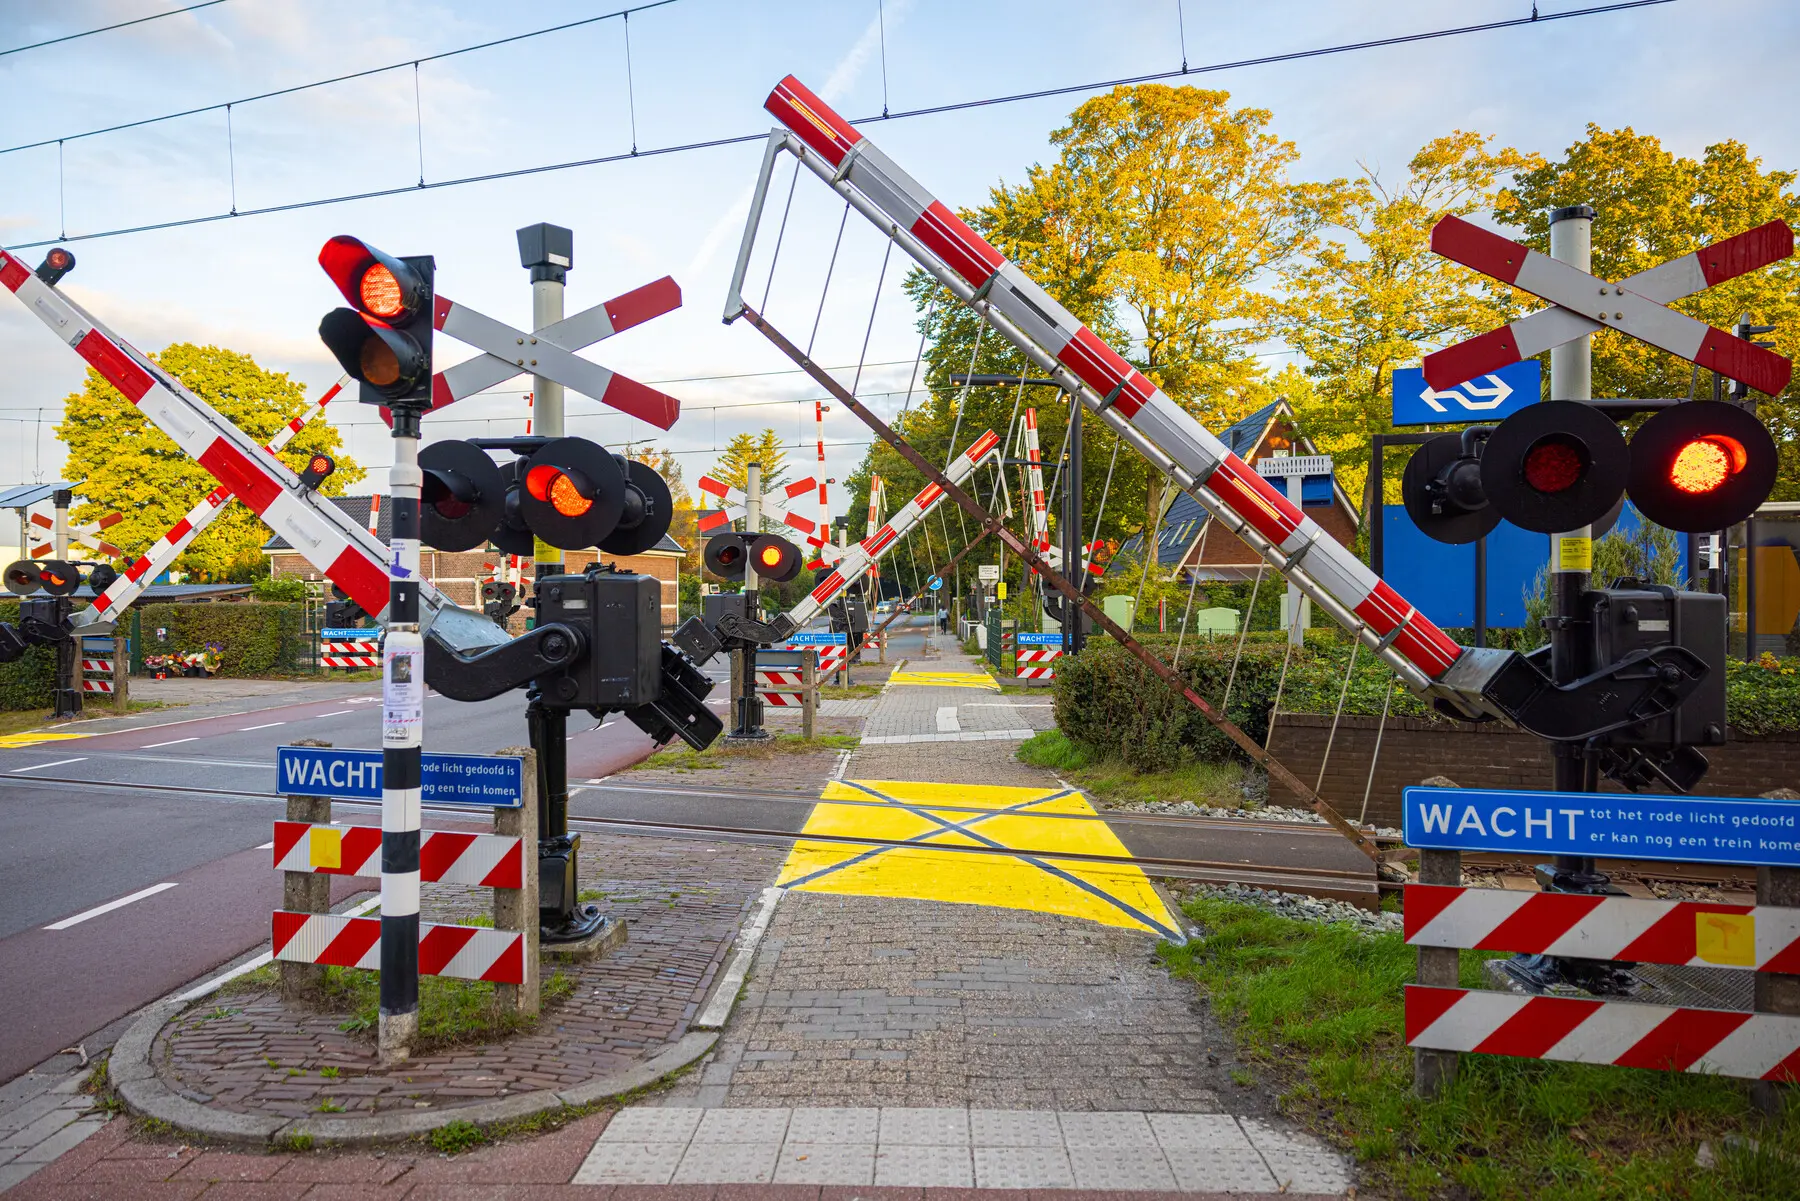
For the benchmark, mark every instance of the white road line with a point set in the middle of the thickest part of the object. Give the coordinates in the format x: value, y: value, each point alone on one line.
x: 172, y: 742
x: 111, y: 905
x: 267, y: 846
x: 334, y: 713
x: 718, y: 1006
x: 947, y: 722
x: 265, y: 726
x: 41, y: 766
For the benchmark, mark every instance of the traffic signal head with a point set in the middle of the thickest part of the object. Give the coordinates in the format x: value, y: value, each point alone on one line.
x: 1701, y: 466
x: 58, y: 263
x: 384, y: 339
x: 22, y: 577
x: 648, y: 509
x: 101, y: 577
x: 1556, y: 465
x: 726, y: 555
x: 775, y: 559
x: 1443, y: 493
x: 461, y: 498
x: 58, y: 578
x: 318, y: 469
x: 572, y: 493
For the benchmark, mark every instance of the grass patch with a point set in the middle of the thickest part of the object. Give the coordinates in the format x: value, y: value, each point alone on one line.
x: 682, y: 757
x: 24, y: 721
x: 1203, y: 783
x: 848, y: 692
x: 265, y: 977
x: 451, y: 1012
x: 456, y: 1137
x: 1321, y: 1006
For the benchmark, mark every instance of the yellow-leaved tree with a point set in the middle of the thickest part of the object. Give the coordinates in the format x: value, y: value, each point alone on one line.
x: 125, y: 463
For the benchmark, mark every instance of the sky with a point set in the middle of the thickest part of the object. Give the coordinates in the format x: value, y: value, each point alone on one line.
x: 1691, y: 72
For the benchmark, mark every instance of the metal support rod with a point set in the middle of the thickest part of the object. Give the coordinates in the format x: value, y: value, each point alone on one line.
x: 1073, y: 565
x: 1481, y: 583
x: 1073, y: 595
x: 402, y: 738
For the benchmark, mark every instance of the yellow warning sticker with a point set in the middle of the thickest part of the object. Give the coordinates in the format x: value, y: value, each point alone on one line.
x: 1727, y: 939
x: 1574, y: 554
x: 13, y: 742
x: 325, y: 847
x: 945, y: 679
x: 1025, y: 827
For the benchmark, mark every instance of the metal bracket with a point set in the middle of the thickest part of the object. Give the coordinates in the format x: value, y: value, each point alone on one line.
x: 501, y: 668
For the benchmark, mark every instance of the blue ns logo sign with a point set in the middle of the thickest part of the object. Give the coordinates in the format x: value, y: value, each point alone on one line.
x: 1484, y: 398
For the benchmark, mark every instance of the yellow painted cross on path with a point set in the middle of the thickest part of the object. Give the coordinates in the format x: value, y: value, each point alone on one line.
x: 931, y: 817
x: 945, y: 679
x: 12, y: 742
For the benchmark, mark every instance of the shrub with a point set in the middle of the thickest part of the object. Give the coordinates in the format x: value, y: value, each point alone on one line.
x: 286, y: 590
x: 257, y: 639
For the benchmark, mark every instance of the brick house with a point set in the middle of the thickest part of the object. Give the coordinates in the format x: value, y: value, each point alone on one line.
x: 459, y: 574
x: 1188, y: 540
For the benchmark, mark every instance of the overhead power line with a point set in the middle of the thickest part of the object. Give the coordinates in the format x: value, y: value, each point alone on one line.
x: 637, y: 152
x: 88, y: 33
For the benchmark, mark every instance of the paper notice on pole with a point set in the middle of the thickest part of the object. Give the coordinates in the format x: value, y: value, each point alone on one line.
x: 402, y: 690
x: 1574, y: 554
x: 988, y: 572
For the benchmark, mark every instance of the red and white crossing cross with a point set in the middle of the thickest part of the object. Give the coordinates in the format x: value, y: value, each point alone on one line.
x: 1637, y: 306
x: 550, y: 352
x: 774, y: 505
x: 84, y: 535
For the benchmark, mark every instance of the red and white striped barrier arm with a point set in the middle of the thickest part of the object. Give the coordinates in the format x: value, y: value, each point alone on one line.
x: 1034, y: 473
x: 1639, y: 304
x: 1752, y: 1046
x: 445, y: 856
x: 865, y: 554
x: 1700, y: 933
x: 138, y: 574
x: 465, y: 952
x: 318, y: 529
x: 820, y: 408
x: 374, y: 512
x: 1153, y: 424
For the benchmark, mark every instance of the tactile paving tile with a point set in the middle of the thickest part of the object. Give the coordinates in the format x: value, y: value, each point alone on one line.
x: 1014, y: 1128
x: 826, y: 1163
x: 1272, y: 1136
x: 924, y: 1167
x: 1120, y: 1168
x: 743, y: 1126
x: 1222, y: 1170
x: 925, y: 1127
x: 1176, y: 1130
x: 1023, y: 1167
x: 1308, y: 1171
x: 630, y: 1163
x: 727, y: 1163
x: 642, y: 1125
x: 834, y: 1125
x: 1118, y: 1130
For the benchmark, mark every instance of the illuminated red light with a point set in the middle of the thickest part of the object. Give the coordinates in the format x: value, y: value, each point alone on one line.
x: 1705, y: 464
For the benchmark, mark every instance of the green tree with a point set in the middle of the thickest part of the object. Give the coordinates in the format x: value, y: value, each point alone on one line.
x: 127, y: 464
x: 746, y: 448
x: 1375, y: 297
x: 1652, y: 205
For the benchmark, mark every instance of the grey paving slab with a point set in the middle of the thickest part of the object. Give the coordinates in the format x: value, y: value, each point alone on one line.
x: 66, y: 1139
x: 727, y: 1163
x: 1308, y: 1171
x: 841, y: 1124
x: 924, y: 1127
x: 826, y: 1163
x: 1222, y: 1169
x: 1268, y: 1136
x: 1121, y: 1131
x: 924, y: 1167
x: 630, y: 1163
x: 1023, y: 1167
x: 1120, y: 1168
x: 742, y: 1126
x: 1196, y: 1130
x: 638, y: 1124
x: 1014, y: 1128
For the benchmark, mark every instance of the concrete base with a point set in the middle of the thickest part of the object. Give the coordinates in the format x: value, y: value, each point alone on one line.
x: 611, y: 935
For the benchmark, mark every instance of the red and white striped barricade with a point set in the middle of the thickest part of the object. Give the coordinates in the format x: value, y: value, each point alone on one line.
x: 350, y: 649
x: 97, y: 664
x: 1442, y: 919
x: 781, y: 676
x: 501, y: 784
x: 1034, y: 655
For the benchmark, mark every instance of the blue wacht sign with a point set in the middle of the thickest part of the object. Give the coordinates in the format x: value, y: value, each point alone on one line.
x: 1040, y: 639
x: 1687, y: 829
x: 475, y: 781
x: 816, y: 638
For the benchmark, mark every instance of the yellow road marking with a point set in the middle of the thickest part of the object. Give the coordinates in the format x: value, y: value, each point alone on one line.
x: 13, y: 742
x: 945, y: 679
x: 1113, y: 894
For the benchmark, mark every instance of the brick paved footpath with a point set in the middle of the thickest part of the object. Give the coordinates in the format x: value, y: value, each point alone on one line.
x: 882, y: 1048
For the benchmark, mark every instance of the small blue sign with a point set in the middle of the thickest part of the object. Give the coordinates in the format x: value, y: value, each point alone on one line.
x: 1039, y: 639
x: 474, y: 781
x: 352, y: 634
x: 1484, y: 398
x: 1687, y: 829
x: 935, y: 582
x: 817, y: 638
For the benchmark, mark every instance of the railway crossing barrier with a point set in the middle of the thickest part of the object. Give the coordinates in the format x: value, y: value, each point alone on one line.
x: 309, y: 850
x: 1035, y: 655
x: 1442, y: 918
x: 790, y: 679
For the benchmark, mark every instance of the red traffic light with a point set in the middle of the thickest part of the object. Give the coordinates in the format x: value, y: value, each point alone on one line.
x: 1701, y: 466
x: 58, y: 263
x: 58, y: 578
x: 1555, y: 465
x: 22, y: 577
x: 461, y: 498
x: 318, y: 469
x: 769, y: 558
x: 566, y: 491
x: 384, y: 340
x: 372, y: 281
x: 573, y: 494
x: 777, y: 560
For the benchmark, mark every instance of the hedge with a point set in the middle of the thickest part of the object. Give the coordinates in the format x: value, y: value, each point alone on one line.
x: 1111, y: 704
x: 257, y: 639
x: 28, y: 682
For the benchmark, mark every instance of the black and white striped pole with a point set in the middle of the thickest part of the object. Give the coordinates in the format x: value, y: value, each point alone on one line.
x: 402, y: 736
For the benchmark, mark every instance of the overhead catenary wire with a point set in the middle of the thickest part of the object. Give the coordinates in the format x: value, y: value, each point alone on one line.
x: 88, y: 33
x: 738, y: 139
